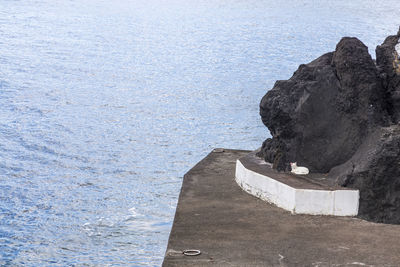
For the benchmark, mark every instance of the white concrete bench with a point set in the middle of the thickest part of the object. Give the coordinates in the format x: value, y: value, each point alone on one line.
x: 297, y: 194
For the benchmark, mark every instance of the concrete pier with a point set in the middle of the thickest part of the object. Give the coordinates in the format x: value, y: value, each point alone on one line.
x: 232, y: 228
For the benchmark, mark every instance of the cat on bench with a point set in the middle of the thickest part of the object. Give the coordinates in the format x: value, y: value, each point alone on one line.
x: 298, y: 170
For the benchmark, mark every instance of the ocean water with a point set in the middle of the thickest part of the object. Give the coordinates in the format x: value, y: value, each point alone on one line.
x: 104, y: 105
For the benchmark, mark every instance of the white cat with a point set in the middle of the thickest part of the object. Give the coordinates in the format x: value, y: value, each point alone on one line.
x: 298, y: 170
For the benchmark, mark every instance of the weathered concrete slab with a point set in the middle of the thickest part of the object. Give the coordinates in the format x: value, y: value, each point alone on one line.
x: 233, y: 228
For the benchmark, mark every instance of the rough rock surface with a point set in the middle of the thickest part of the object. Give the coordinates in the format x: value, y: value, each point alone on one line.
x: 340, y: 115
x: 388, y: 63
x: 320, y: 116
x: 375, y: 170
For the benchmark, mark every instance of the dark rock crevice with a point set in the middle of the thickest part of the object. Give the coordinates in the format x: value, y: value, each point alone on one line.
x: 340, y: 115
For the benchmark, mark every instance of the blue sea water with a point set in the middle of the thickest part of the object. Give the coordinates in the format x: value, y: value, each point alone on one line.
x: 104, y: 105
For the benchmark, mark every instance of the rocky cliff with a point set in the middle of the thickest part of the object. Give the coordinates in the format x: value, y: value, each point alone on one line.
x: 340, y: 115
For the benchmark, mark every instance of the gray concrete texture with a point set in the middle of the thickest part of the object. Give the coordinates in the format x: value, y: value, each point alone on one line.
x: 233, y: 228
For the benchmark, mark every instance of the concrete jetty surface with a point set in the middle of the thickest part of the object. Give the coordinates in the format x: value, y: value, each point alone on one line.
x: 232, y: 228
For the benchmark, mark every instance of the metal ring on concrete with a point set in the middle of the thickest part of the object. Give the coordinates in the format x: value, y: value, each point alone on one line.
x: 191, y: 252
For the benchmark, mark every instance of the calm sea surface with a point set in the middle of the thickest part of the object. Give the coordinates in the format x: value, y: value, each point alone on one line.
x: 104, y: 105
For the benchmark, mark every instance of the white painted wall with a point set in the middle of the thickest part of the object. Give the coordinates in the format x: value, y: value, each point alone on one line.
x: 300, y: 201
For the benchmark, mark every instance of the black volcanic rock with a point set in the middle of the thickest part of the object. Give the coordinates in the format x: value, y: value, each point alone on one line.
x: 388, y: 63
x: 340, y: 115
x: 320, y: 116
x: 375, y: 170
